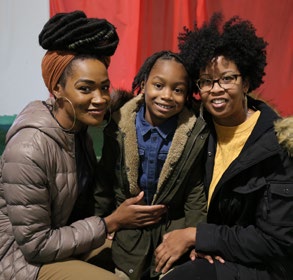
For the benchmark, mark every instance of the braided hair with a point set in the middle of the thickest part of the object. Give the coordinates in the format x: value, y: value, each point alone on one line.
x: 149, y: 63
x: 236, y: 40
x: 72, y: 36
x: 74, y: 32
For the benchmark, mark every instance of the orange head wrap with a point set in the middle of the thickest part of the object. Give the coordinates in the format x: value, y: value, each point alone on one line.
x: 53, y: 66
x: 67, y: 35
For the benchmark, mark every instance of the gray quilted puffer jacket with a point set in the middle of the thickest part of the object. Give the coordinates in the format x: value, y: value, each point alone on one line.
x: 38, y: 190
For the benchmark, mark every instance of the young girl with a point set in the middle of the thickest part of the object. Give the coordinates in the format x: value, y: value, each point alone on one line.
x: 154, y: 144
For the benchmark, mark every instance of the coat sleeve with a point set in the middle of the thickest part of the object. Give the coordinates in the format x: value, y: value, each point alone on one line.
x: 31, y: 207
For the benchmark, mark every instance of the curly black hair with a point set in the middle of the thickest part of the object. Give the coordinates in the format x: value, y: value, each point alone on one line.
x: 76, y: 33
x: 147, y: 66
x: 236, y: 40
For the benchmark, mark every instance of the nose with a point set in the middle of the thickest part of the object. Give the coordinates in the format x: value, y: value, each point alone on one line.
x: 100, y: 97
x: 167, y: 93
x: 216, y: 86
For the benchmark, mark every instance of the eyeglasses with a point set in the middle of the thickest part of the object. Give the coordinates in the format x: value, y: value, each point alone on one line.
x: 225, y: 82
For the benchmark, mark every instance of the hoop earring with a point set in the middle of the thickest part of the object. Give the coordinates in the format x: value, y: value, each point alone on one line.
x: 55, y: 107
x: 245, y: 102
x: 201, y: 109
x: 104, y: 123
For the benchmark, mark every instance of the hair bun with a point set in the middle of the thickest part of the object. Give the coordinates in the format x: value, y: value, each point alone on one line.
x: 77, y: 33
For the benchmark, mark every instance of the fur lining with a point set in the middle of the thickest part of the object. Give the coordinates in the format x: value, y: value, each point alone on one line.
x: 125, y: 119
x: 186, y: 122
x: 284, y: 131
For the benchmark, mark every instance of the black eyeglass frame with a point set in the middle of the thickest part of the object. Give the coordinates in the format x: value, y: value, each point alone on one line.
x: 235, y: 76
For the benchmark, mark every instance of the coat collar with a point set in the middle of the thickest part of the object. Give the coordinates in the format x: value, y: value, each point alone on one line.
x: 125, y: 119
x: 37, y: 115
x: 284, y: 132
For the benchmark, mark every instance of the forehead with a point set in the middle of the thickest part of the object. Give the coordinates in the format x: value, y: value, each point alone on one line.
x: 220, y: 65
x: 168, y: 67
x: 88, y: 67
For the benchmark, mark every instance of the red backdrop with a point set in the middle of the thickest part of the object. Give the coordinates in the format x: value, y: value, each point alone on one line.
x: 146, y: 26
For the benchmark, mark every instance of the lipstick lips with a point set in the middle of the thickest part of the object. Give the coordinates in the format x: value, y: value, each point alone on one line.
x: 97, y: 111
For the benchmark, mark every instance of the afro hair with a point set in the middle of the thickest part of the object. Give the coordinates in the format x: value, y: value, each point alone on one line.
x: 236, y: 40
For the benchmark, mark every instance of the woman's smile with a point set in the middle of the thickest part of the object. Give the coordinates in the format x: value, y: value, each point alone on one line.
x: 97, y: 111
x: 218, y: 102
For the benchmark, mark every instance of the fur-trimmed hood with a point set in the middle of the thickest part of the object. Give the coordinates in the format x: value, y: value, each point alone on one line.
x: 284, y: 132
x: 125, y: 119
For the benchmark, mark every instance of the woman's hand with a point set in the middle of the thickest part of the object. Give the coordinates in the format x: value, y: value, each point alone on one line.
x: 174, y: 245
x: 131, y: 214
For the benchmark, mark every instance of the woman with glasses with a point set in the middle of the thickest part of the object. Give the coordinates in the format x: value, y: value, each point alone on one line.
x: 248, y: 169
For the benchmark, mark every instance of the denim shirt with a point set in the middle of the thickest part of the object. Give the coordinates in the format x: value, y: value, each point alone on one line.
x: 153, y: 146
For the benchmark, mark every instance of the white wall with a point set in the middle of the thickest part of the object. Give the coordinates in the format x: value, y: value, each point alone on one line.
x: 21, y: 81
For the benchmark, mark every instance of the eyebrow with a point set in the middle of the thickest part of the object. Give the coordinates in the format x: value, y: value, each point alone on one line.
x: 91, y: 81
x: 163, y: 80
x: 221, y: 74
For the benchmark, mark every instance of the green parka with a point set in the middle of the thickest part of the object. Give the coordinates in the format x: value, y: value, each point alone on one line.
x: 179, y: 186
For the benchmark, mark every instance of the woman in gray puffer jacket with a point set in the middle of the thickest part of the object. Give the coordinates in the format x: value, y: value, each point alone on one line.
x: 47, y: 169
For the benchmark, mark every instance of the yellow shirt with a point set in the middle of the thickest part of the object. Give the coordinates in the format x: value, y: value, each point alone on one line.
x: 230, y: 141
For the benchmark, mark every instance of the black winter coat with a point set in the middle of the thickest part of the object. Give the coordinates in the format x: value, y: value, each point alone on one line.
x: 250, y: 218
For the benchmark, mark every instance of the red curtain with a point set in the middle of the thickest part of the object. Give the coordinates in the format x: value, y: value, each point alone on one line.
x: 146, y: 26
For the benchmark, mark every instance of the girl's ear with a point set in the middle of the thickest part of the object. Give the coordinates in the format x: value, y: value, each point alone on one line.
x: 142, y: 86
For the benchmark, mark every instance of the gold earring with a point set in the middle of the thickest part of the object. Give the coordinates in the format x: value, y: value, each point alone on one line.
x: 74, y: 113
x: 105, y: 122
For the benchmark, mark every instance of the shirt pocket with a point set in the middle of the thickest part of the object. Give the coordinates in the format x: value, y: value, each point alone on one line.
x: 162, y: 154
x: 280, y: 204
x: 161, y: 159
